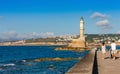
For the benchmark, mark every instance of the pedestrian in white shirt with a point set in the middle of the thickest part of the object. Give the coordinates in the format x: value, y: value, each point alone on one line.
x: 103, y: 48
x: 113, y: 50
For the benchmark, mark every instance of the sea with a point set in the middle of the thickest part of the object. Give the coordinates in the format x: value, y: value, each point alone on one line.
x: 20, y: 60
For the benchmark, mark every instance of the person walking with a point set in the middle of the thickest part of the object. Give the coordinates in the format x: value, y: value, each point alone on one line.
x: 103, y: 48
x: 113, y: 50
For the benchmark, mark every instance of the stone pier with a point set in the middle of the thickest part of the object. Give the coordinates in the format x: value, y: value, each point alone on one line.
x: 85, y: 65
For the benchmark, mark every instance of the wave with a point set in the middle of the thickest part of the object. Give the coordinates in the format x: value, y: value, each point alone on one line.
x: 10, y: 64
x: 23, y: 60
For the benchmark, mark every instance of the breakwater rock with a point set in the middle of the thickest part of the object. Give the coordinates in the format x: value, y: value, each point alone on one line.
x: 80, y: 49
x: 54, y: 59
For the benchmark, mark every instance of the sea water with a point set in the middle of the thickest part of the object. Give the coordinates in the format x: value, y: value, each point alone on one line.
x: 15, y: 60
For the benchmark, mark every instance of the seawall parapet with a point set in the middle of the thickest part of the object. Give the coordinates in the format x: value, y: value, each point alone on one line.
x: 85, y: 65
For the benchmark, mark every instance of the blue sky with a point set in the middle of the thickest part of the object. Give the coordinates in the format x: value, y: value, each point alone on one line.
x: 58, y: 17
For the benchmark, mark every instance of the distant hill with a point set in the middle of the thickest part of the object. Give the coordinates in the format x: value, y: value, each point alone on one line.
x: 41, y: 40
x: 89, y: 38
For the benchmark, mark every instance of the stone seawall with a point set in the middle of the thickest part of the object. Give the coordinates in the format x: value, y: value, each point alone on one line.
x: 85, y: 65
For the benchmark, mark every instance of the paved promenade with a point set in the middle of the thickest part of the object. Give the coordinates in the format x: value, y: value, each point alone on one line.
x: 108, y: 65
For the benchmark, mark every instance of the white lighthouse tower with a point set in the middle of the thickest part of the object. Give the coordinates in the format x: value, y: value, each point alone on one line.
x: 82, y: 37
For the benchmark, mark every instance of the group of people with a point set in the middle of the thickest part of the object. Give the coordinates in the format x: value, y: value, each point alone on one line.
x: 112, y: 50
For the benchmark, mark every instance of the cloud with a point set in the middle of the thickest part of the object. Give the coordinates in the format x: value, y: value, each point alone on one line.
x: 8, y: 35
x: 103, y: 23
x: 98, y: 15
x: 13, y: 35
x: 38, y: 35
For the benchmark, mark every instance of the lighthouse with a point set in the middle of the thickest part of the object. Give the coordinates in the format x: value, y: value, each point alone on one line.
x: 82, y: 37
x: 80, y: 42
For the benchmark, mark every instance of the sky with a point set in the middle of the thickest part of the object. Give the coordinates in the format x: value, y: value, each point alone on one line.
x: 43, y: 18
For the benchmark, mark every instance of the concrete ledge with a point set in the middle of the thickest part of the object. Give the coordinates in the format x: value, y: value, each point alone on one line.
x: 85, y: 65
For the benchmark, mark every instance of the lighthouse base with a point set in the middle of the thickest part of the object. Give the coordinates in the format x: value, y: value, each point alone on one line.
x: 77, y: 43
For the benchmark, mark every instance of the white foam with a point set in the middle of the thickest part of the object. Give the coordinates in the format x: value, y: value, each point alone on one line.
x: 23, y: 60
x: 11, y: 64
